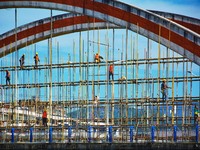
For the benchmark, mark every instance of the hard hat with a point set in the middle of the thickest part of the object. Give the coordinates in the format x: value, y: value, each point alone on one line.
x: 36, y: 52
x: 164, y: 80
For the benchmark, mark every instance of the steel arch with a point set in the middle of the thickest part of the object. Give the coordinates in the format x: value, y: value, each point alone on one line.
x: 157, y: 28
x: 63, y: 24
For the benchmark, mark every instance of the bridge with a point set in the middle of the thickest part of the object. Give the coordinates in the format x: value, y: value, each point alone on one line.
x: 129, y: 110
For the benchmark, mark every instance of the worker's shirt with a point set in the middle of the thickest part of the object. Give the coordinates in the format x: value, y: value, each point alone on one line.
x: 22, y: 59
x: 96, y: 56
x: 164, y: 86
x: 8, y: 74
x: 36, y: 58
x: 111, y: 68
x: 44, y: 115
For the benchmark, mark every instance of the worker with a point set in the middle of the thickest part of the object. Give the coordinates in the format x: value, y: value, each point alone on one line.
x: 164, y: 88
x: 7, y: 77
x: 21, y: 60
x: 111, y: 71
x: 96, y: 99
x: 98, y: 58
x: 36, y: 57
x: 44, y: 117
x: 196, y: 111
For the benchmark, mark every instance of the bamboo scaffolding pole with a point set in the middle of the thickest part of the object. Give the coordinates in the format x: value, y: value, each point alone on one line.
x: 50, y: 112
x: 87, y: 76
x: 132, y: 68
x: 158, y: 87
x: 126, y: 74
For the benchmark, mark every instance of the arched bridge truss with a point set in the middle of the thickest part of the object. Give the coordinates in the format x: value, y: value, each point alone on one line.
x: 168, y: 33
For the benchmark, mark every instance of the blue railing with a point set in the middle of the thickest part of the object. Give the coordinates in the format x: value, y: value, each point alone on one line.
x: 93, y: 134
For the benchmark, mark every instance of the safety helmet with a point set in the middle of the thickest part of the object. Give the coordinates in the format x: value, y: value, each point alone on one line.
x: 36, y: 53
x: 164, y: 80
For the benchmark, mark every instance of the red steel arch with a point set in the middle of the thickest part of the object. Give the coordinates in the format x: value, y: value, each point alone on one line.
x: 166, y: 32
x: 40, y: 30
x: 186, y: 21
x: 63, y: 24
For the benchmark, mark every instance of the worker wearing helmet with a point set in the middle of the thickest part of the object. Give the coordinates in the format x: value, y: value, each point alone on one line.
x: 111, y: 71
x: 7, y: 77
x: 44, y: 117
x: 164, y: 90
x: 36, y: 57
x: 97, y: 58
x: 22, y: 61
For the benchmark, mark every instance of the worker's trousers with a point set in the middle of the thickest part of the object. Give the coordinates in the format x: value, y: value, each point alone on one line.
x: 164, y: 95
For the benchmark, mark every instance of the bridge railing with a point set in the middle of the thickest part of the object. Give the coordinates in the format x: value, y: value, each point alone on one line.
x: 100, y: 134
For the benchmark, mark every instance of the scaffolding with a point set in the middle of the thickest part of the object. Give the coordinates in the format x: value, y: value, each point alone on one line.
x: 84, y: 105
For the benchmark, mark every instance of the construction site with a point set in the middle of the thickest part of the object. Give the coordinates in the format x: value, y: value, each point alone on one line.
x: 87, y: 107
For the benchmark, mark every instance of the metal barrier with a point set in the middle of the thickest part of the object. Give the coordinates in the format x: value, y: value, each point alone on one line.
x: 100, y: 134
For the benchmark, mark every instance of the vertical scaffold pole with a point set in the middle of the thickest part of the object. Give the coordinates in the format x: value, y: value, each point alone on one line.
x: 50, y: 73
x: 126, y: 72
x: 14, y: 115
x: 158, y: 87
